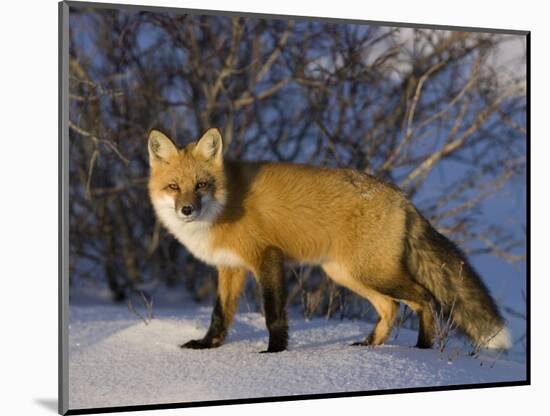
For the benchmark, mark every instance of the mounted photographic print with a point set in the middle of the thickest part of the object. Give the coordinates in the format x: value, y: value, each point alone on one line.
x: 266, y: 208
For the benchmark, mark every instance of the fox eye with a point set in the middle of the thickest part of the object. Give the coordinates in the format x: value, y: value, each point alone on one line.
x: 173, y: 187
x: 201, y: 185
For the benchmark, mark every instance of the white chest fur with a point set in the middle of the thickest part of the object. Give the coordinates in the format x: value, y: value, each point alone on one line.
x: 196, y: 236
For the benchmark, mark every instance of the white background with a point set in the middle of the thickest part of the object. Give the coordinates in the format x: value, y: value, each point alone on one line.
x: 28, y: 205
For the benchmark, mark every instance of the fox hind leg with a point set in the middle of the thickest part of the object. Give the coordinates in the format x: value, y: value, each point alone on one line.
x: 421, y: 302
x: 387, y: 309
x: 426, y: 323
x: 384, y: 294
x: 385, y: 305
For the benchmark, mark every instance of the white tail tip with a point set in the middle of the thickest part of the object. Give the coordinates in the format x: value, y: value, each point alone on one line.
x: 502, y: 340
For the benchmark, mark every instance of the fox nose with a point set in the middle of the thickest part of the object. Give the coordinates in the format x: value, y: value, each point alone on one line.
x: 187, y: 209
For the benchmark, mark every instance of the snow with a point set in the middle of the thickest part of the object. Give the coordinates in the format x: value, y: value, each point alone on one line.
x: 117, y: 360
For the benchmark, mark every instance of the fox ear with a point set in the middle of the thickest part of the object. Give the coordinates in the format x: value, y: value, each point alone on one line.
x: 160, y: 146
x: 210, y: 146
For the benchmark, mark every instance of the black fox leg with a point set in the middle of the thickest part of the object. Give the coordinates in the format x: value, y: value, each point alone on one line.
x: 271, y: 279
x: 230, y: 284
x: 426, y: 323
x: 216, y: 332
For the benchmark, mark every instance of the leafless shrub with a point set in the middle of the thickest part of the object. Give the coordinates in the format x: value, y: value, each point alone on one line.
x: 404, y: 104
x: 406, y: 316
x: 148, y: 303
x: 310, y: 299
x: 444, y: 326
x: 333, y: 295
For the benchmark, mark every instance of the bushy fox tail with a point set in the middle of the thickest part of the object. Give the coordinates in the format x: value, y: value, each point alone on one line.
x: 441, y: 267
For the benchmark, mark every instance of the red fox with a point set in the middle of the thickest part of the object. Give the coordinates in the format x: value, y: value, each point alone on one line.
x: 363, y: 232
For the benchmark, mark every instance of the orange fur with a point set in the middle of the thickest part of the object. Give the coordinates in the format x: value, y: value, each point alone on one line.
x: 314, y: 215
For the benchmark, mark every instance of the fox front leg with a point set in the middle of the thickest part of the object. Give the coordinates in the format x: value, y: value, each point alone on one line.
x: 230, y: 284
x: 271, y: 278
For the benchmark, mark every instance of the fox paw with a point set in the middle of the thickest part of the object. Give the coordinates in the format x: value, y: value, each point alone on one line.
x: 197, y: 344
x: 275, y: 347
x: 368, y: 342
x: 271, y: 350
x: 423, y: 346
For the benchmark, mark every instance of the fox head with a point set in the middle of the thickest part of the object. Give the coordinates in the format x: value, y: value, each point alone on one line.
x: 187, y: 184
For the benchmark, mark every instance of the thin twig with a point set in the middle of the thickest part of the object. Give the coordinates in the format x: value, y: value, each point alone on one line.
x: 132, y: 309
x: 93, y: 159
x: 97, y: 141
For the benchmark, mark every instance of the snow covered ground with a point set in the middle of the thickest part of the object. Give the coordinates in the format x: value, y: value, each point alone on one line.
x: 117, y: 360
